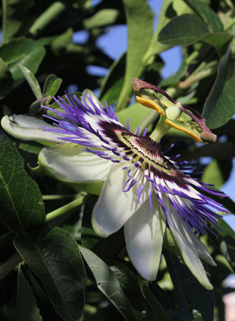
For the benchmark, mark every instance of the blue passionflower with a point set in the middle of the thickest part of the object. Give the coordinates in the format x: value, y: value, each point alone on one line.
x: 144, y: 190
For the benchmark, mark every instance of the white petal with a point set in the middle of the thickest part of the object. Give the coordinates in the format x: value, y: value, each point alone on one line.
x: 114, y: 207
x: 182, y: 236
x: 144, y: 237
x: 26, y: 128
x: 68, y: 163
x: 93, y: 97
x: 202, y: 250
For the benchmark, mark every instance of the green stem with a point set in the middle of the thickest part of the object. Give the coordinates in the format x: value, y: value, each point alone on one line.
x: 47, y: 17
x: 9, y: 265
x: 191, y: 57
x: 201, y: 75
x: 161, y: 129
x: 64, y: 209
x: 6, y: 237
x: 57, y: 197
x: 229, y: 24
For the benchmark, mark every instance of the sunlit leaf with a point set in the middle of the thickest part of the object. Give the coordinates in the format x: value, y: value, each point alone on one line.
x: 101, y: 18
x: 207, y: 14
x: 218, y: 40
x: 220, y: 104
x: 22, y: 51
x: 52, y: 85
x: 182, y: 31
x: 113, y: 82
x: 140, y: 27
x: 137, y: 110
x: 217, y: 172
x: 32, y: 81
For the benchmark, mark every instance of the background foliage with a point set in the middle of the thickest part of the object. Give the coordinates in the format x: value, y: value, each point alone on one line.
x: 43, y: 220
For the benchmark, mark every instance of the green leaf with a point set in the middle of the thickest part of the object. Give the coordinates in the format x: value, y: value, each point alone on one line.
x: 26, y: 304
x: 6, y: 79
x: 15, y: 22
x: 32, y: 81
x: 52, y: 85
x: 110, y: 246
x: 226, y: 129
x: 148, y: 309
x: 189, y: 292
x: 155, y: 47
x: 217, y: 172
x: 60, y: 43
x: 182, y: 31
x: 140, y: 28
x: 21, y: 203
x: 113, y: 82
x: 22, y: 51
x: 56, y: 260
x: 166, y: 303
x: 224, y: 240
x: 207, y: 14
x: 101, y: 18
x: 220, y: 104
x: 218, y: 40
x: 139, y: 112
x: 108, y: 284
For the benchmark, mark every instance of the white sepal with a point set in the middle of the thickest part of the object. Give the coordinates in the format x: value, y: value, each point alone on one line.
x: 144, y: 237
x: 68, y: 163
x: 27, y: 128
x: 188, y: 248
x: 114, y: 207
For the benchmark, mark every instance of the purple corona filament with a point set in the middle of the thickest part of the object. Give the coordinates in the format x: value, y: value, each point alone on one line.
x: 86, y: 123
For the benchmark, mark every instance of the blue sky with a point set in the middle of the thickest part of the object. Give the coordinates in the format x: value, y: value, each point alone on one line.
x: 109, y: 44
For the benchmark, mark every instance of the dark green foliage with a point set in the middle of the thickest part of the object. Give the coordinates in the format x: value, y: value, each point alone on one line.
x: 65, y: 271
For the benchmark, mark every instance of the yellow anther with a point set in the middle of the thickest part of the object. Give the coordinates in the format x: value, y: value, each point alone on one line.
x: 147, y: 102
x: 184, y: 129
